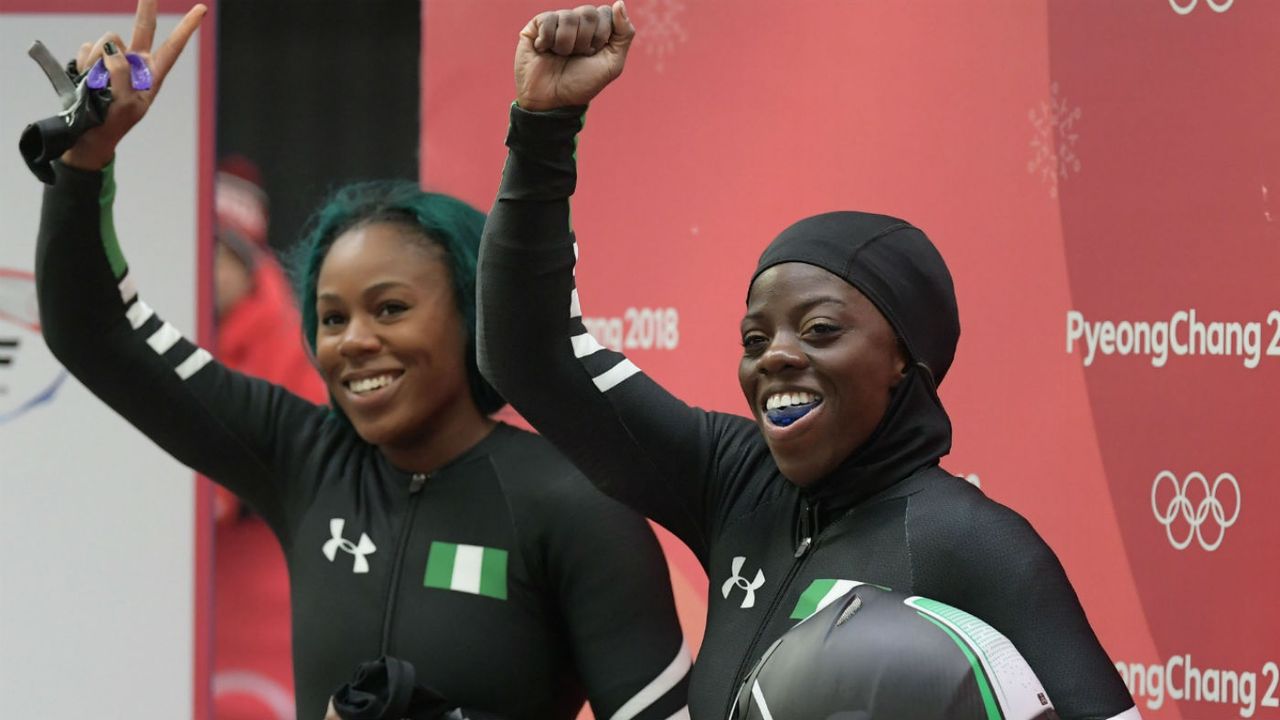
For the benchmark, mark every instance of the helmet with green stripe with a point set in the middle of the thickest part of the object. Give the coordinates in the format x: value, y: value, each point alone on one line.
x: 875, y: 654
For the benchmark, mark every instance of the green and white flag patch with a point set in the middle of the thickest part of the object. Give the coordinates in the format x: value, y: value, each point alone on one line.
x: 820, y: 594
x: 467, y: 568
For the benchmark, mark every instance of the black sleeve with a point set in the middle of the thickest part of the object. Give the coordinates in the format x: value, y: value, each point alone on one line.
x: 611, y: 583
x: 987, y: 560
x: 631, y: 437
x: 239, y: 431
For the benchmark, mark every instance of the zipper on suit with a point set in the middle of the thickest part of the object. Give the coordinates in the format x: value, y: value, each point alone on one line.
x: 808, y: 536
x: 415, y: 486
x: 808, y: 526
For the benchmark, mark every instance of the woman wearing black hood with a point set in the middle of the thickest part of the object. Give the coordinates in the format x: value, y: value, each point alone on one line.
x: 851, y: 323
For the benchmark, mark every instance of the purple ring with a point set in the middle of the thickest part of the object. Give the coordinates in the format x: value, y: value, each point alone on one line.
x: 139, y: 74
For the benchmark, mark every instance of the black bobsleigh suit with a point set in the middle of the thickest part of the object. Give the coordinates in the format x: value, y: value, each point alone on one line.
x: 511, y: 584
x: 888, y: 515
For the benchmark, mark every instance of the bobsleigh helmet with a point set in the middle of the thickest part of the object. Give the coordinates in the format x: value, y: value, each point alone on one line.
x: 875, y: 654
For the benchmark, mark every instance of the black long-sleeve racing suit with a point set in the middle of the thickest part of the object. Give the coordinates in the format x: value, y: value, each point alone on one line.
x: 895, y: 519
x: 512, y: 584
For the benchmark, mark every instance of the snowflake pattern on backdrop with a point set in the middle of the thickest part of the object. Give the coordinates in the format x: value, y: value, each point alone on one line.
x: 1054, y: 156
x: 660, y: 22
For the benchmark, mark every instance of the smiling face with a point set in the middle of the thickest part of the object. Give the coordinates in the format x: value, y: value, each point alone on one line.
x: 390, y: 342
x: 819, y: 363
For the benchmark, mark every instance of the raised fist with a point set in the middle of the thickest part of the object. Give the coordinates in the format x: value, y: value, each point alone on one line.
x: 566, y: 57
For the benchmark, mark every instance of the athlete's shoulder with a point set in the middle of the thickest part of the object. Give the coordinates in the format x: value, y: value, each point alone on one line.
x: 547, y: 493
x: 530, y: 468
x: 735, y: 434
x: 742, y: 461
x: 330, y: 452
x: 937, y: 494
x: 952, y: 523
x: 523, y: 457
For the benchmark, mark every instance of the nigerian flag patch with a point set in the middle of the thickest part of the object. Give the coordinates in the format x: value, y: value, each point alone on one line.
x: 820, y: 594
x: 467, y: 568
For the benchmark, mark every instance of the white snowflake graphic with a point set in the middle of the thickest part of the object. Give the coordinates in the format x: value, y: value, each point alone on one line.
x: 1053, y: 146
x: 659, y: 22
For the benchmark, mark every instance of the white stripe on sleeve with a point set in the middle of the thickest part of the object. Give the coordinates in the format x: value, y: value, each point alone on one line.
x: 193, y: 363
x: 584, y: 345
x: 138, y: 313
x: 661, y: 685
x: 164, y: 338
x: 614, y: 375
x: 127, y: 289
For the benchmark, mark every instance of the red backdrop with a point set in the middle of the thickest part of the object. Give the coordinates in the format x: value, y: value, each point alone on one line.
x: 1101, y: 177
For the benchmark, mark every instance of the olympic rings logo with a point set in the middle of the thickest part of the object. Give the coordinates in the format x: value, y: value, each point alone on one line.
x: 1198, y: 514
x: 1185, y: 8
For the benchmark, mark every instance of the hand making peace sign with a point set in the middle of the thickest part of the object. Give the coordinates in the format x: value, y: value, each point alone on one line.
x: 96, y: 148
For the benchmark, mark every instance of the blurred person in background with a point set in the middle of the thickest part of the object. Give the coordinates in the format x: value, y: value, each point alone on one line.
x: 259, y: 334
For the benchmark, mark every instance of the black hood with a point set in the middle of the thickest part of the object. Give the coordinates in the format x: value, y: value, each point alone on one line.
x: 901, y: 272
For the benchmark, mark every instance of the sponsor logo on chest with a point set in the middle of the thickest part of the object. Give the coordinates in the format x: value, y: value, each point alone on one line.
x: 360, y: 550
x: 737, y: 581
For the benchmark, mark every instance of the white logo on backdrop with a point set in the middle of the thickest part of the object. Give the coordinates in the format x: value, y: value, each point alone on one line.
x: 663, y: 29
x: 736, y: 580
x: 29, y: 375
x: 265, y: 690
x: 1053, y: 146
x: 1209, y: 511
x: 337, y: 542
x: 1184, y: 7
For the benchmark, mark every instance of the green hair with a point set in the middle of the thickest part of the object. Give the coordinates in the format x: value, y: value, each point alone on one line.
x: 441, y: 221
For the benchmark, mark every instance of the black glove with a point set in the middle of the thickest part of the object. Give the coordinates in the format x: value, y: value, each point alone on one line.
x: 385, y: 689
x: 44, y: 141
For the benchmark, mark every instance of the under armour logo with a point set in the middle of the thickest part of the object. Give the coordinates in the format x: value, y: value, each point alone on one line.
x: 738, y: 581
x: 331, y: 547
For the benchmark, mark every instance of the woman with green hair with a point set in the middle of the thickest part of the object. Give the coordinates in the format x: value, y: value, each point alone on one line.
x: 413, y: 524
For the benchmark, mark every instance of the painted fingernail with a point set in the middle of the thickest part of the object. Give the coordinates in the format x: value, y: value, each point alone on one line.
x: 109, y: 48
